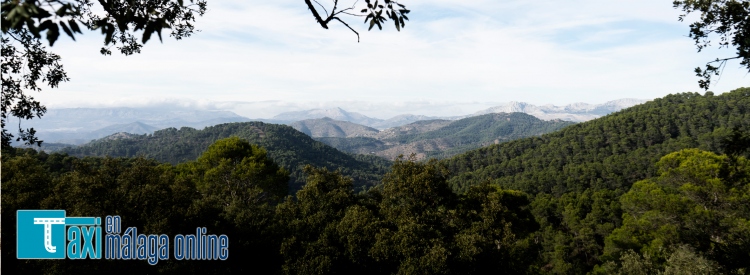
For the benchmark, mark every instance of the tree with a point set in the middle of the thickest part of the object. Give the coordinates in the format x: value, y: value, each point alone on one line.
x: 25, y: 60
x: 726, y: 19
x: 699, y: 202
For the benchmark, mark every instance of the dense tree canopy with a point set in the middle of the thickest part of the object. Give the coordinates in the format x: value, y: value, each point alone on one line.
x: 577, y: 174
x: 658, y: 188
x: 413, y: 223
x: 287, y: 147
x: 698, y: 205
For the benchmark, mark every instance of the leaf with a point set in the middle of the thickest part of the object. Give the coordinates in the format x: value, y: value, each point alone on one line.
x: 147, y: 33
x: 158, y: 32
x: 67, y: 30
x: 398, y: 28
x: 47, y: 24
x: 122, y: 24
x: 372, y: 23
x: 110, y: 29
x: 74, y: 26
x: 62, y: 10
x: 364, y: 10
x: 52, y: 34
x: 22, y: 11
x: 42, y: 13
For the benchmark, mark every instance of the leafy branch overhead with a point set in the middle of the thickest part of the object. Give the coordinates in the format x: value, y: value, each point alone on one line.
x: 25, y: 60
x: 121, y: 20
x: 372, y: 13
x: 726, y: 19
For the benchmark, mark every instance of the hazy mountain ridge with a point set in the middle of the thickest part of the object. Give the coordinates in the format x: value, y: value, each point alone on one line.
x: 333, y: 113
x: 88, y: 119
x: 440, y: 138
x: 81, y: 125
x: 327, y: 127
x: 577, y: 112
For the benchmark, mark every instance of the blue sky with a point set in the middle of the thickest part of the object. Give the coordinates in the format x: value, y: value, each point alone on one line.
x: 261, y: 58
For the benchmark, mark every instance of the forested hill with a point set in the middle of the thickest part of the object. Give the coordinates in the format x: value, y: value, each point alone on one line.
x: 610, y: 152
x: 441, y: 138
x: 478, y: 131
x: 287, y: 147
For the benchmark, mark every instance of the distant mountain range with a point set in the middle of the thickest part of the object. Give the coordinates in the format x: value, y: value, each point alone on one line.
x: 327, y: 127
x: 343, y: 115
x: 577, y: 112
x: 81, y: 125
x: 431, y: 138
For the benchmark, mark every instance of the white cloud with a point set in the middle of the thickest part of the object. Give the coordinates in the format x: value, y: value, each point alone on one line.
x: 451, y: 52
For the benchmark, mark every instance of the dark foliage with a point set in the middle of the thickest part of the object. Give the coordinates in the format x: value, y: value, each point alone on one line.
x: 287, y: 147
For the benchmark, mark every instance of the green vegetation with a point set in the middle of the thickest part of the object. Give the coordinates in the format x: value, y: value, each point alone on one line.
x: 578, y: 174
x: 412, y: 223
x: 286, y: 147
x: 361, y: 145
x: 660, y: 188
x: 612, y: 152
x: 698, y: 209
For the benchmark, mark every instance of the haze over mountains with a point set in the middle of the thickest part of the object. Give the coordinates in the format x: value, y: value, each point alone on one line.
x: 81, y: 125
x: 577, y: 112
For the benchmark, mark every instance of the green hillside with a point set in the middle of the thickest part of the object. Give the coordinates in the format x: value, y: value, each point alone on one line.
x: 610, y: 152
x: 449, y: 138
x: 287, y: 147
x: 578, y: 177
x: 660, y: 188
x: 474, y: 132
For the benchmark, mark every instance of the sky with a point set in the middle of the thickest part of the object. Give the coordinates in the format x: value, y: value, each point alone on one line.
x: 262, y: 58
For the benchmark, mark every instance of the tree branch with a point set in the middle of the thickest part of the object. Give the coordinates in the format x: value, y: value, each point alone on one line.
x: 316, y: 15
x: 346, y: 9
x: 333, y: 11
x: 324, y: 8
x: 352, y: 14
x: 347, y: 25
